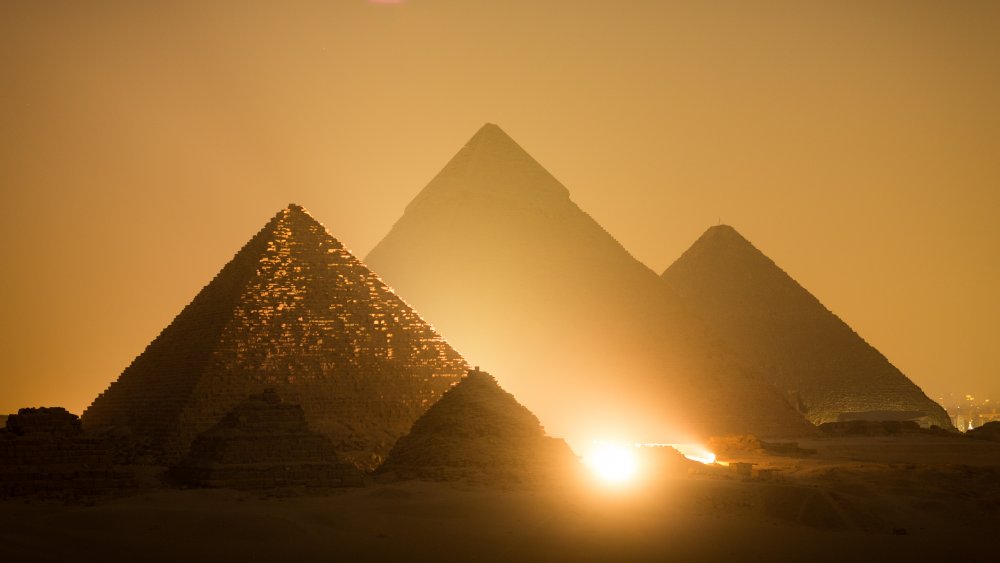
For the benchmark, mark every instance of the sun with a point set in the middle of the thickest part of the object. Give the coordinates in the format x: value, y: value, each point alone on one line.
x: 612, y: 463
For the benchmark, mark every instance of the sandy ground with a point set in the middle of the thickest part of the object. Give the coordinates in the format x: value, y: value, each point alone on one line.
x: 856, y: 499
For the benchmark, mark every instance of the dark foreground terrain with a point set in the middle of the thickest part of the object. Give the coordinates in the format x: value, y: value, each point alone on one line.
x: 908, y: 498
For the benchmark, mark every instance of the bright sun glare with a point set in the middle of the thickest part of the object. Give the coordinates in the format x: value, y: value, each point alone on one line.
x: 613, y: 463
x: 695, y: 452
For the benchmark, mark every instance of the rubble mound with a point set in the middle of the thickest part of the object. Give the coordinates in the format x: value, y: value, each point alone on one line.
x: 989, y: 431
x: 479, y: 432
x: 44, y: 453
x: 55, y: 421
x: 264, y: 443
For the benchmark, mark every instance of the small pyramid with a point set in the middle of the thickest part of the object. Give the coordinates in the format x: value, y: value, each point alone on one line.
x: 297, y: 312
x: 263, y: 443
x: 801, y: 347
x: 478, y: 430
x: 518, y: 277
x: 45, y: 453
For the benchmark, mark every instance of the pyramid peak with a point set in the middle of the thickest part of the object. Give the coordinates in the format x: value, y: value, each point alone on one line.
x: 493, y: 165
x: 477, y: 375
x: 491, y: 130
x: 723, y: 228
x: 491, y: 137
x: 722, y: 233
x: 295, y: 209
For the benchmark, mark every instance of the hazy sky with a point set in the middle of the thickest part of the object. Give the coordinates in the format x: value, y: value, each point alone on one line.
x: 141, y: 144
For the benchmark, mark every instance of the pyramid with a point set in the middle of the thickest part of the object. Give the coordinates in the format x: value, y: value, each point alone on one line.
x: 264, y: 442
x: 801, y: 347
x: 479, y: 431
x: 294, y: 311
x: 518, y: 277
x: 45, y: 453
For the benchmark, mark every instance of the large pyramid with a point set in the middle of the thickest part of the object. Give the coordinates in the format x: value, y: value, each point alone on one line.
x: 800, y: 346
x: 293, y: 311
x: 479, y: 431
x: 518, y: 277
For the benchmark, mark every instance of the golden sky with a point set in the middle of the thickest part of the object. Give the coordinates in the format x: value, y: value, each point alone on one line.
x: 141, y: 144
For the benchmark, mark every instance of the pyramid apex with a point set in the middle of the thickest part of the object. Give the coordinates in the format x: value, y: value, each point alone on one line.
x: 723, y: 232
x: 479, y: 375
x: 492, y: 164
x: 722, y: 228
x: 491, y: 133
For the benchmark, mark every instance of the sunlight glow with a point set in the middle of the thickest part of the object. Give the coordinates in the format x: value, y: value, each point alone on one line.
x: 612, y: 463
x: 695, y: 452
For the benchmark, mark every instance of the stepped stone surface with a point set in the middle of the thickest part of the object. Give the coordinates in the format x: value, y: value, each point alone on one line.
x: 479, y: 431
x: 44, y: 452
x: 518, y: 277
x: 263, y: 443
x: 293, y: 311
x: 802, y: 348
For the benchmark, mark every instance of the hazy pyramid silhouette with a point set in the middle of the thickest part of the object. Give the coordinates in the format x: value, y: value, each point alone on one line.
x: 801, y: 347
x: 512, y: 272
x: 296, y: 312
x: 479, y: 430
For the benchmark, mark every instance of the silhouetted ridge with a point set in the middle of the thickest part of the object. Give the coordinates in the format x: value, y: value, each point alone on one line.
x: 518, y: 277
x: 801, y: 347
x: 297, y: 312
x: 479, y: 430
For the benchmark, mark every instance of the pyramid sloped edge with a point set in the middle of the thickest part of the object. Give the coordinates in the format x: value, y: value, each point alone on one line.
x: 768, y: 317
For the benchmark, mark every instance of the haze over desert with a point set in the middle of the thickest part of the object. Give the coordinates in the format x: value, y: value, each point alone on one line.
x: 423, y: 280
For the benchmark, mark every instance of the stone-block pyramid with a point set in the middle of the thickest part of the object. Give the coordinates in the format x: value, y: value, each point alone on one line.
x: 296, y: 312
x: 479, y: 431
x: 799, y: 345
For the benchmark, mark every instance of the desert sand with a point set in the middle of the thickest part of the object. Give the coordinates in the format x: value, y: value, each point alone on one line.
x: 903, y: 498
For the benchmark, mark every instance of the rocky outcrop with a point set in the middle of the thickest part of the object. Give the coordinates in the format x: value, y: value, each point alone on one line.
x: 264, y: 443
x: 293, y: 311
x: 479, y: 432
